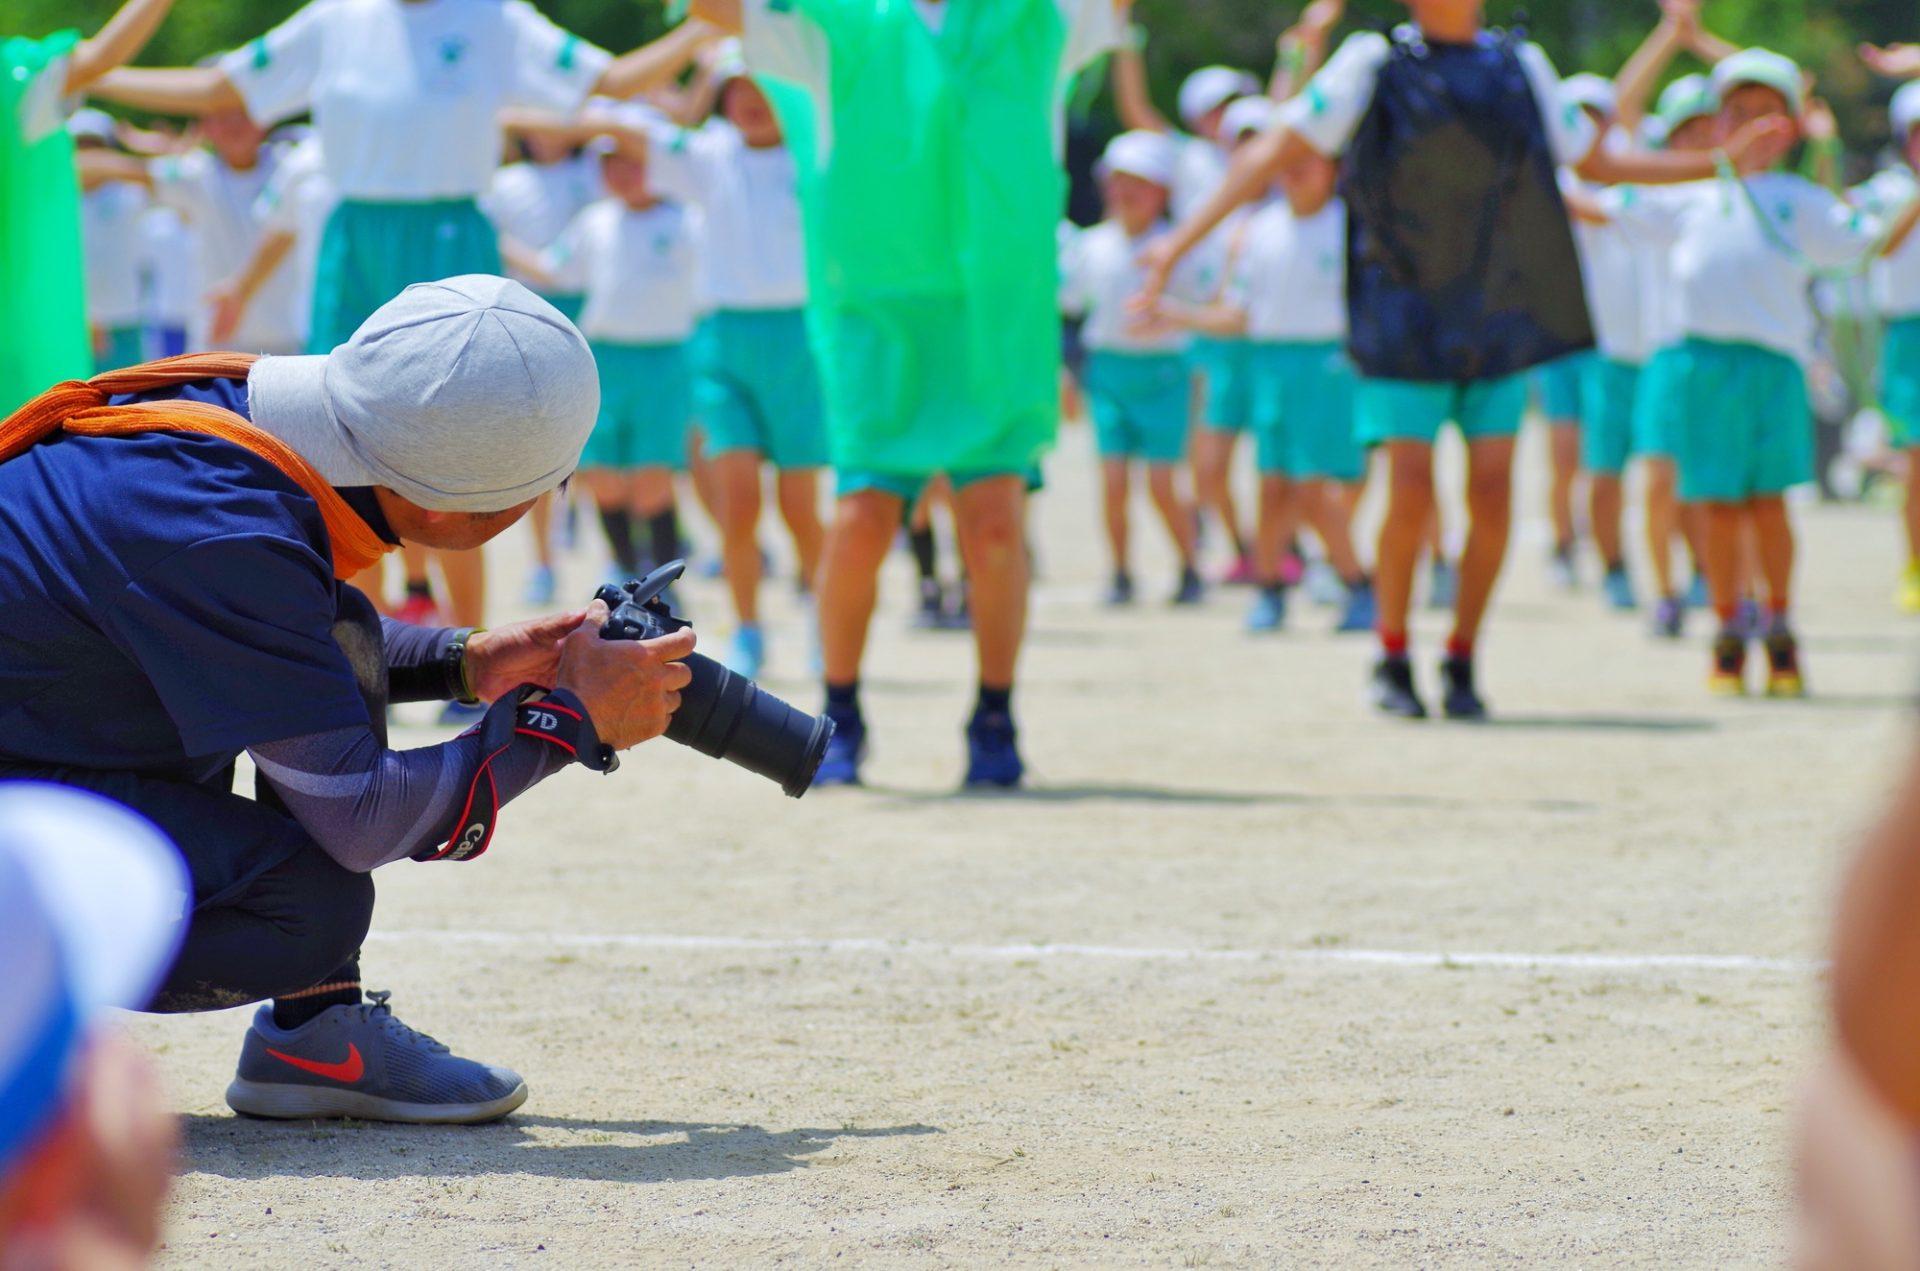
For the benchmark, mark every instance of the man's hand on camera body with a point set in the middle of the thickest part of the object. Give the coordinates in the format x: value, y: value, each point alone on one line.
x: 631, y: 688
x: 501, y: 659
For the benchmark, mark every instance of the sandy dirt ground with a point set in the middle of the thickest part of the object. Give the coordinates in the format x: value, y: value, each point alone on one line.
x: 1216, y: 992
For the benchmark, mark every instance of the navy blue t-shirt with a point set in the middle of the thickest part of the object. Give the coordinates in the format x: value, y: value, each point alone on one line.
x: 166, y: 600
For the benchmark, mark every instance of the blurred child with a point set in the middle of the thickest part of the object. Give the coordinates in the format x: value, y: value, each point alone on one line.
x: 1462, y: 276
x: 1896, y: 293
x: 1136, y: 378
x: 636, y: 258
x: 1745, y: 254
x: 1286, y: 296
x: 757, y: 389
x: 1610, y: 261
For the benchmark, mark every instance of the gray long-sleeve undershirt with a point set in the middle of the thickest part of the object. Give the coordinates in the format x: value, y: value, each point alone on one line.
x: 369, y: 806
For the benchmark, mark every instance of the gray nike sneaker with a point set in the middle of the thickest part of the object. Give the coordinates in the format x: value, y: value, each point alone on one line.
x: 359, y: 1061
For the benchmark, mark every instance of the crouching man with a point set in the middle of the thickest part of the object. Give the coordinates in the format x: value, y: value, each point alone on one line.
x: 172, y: 543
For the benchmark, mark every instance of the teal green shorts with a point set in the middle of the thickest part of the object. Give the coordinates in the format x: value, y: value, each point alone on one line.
x: 1139, y: 404
x: 1410, y: 410
x: 126, y: 346
x: 908, y: 488
x: 371, y: 252
x: 1900, y: 381
x: 1303, y: 420
x: 1557, y: 385
x: 1746, y: 427
x: 1224, y: 367
x: 646, y: 407
x: 757, y: 387
x: 1609, y: 391
x: 1656, y: 405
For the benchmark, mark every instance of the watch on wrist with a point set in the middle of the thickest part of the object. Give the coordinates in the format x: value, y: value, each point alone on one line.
x: 459, y: 674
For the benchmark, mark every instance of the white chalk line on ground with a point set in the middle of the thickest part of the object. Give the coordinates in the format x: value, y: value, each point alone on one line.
x: 1399, y: 959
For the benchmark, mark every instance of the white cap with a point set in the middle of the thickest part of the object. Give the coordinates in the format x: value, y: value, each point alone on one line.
x: 1595, y: 92
x: 470, y: 394
x: 94, y: 125
x: 1765, y: 68
x: 1147, y: 155
x: 729, y: 62
x: 1211, y: 87
x: 1248, y: 114
x: 93, y: 903
x: 1906, y: 111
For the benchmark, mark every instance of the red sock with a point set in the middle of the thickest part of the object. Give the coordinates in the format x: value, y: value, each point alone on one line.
x: 1460, y: 648
x: 1393, y: 643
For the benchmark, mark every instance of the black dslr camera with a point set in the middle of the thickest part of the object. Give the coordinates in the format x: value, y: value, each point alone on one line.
x: 721, y: 714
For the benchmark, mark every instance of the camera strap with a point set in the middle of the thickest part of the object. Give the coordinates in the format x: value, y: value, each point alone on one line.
x: 557, y: 718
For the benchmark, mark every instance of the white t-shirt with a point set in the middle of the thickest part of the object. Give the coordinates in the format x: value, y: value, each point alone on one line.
x: 1737, y: 280
x: 1100, y: 272
x: 639, y: 270
x: 755, y: 251
x: 1290, y: 275
x: 1199, y: 168
x: 172, y: 289
x: 783, y: 43
x: 222, y: 206
x: 1613, y: 267
x: 298, y: 200
x: 533, y: 203
x: 406, y: 94
x: 112, y: 243
x: 1896, y: 278
x: 1329, y: 111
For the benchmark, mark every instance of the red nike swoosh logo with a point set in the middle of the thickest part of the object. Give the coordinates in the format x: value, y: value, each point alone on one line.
x: 347, y: 1070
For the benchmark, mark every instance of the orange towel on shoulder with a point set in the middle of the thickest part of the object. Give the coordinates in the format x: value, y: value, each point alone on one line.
x: 80, y: 407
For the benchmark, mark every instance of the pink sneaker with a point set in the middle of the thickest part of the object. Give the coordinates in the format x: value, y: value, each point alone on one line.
x: 418, y: 610
x: 1242, y: 574
x: 1292, y: 569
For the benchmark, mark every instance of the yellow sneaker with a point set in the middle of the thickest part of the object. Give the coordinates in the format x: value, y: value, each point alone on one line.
x: 1729, y: 675
x: 1908, y: 597
x: 1783, y: 666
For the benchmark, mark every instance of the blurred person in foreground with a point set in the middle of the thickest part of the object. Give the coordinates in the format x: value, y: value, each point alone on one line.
x: 85, y: 1145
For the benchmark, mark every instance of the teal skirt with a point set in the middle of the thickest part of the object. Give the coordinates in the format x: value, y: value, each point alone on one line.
x: 371, y: 252
x: 1900, y: 381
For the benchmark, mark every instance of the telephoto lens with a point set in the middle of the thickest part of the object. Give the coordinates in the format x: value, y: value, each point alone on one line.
x: 723, y: 715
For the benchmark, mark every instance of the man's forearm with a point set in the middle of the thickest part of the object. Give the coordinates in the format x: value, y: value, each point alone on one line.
x: 118, y: 42
x: 180, y: 90
x: 367, y: 806
x: 423, y: 664
x: 1131, y: 100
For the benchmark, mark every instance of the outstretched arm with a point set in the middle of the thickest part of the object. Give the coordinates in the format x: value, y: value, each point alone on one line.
x: 1755, y: 148
x: 183, y: 90
x: 1903, y: 228
x: 1638, y: 79
x: 1302, y: 48
x: 1131, y: 99
x: 1895, y: 61
x: 654, y: 65
x: 118, y: 42
x: 231, y: 298
x: 725, y: 14
x: 1255, y: 167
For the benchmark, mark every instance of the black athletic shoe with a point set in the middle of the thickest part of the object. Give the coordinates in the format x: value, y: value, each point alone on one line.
x: 1392, y: 689
x: 1462, y: 700
x: 1784, y: 678
x: 1120, y: 591
x: 1191, y: 590
x: 932, y: 612
x: 1728, y: 678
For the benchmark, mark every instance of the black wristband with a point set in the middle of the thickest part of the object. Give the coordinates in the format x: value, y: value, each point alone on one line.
x: 453, y: 664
